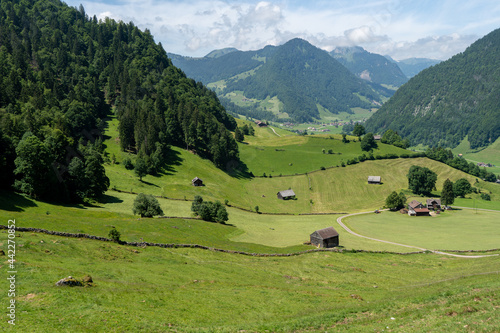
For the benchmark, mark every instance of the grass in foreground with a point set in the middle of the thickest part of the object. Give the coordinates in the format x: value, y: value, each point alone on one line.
x: 188, y: 290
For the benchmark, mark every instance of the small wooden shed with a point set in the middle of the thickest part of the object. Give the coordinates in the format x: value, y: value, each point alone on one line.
x: 374, y: 180
x: 285, y: 195
x: 327, y: 237
x: 197, y: 182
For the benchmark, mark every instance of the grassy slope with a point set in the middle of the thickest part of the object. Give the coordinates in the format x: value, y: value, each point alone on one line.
x: 187, y: 290
x: 490, y: 154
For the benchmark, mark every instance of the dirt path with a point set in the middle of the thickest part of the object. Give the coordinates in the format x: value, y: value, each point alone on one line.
x: 339, y: 221
x: 274, y: 131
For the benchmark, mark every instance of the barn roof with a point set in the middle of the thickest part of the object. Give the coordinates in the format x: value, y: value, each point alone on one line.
x: 196, y: 179
x: 421, y: 210
x: 374, y: 179
x: 431, y: 200
x: 327, y: 233
x: 287, y: 193
x: 414, y: 204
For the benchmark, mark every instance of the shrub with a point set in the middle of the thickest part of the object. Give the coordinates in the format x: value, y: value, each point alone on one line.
x: 146, y: 205
x: 127, y: 163
x: 209, y: 211
x: 485, y: 196
x: 114, y: 234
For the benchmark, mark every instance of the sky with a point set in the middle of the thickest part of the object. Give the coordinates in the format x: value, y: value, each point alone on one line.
x: 436, y: 29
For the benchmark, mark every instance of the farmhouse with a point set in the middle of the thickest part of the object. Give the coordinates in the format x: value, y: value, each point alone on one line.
x: 434, y: 204
x: 327, y: 237
x: 260, y: 123
x: 374, y: 180
x: 285, y: 195
x: 197, y: 182
x: 416, y: 208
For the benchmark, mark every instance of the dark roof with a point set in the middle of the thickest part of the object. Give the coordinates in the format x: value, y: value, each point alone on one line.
x: 327, y: 233
x: 431, y: 200
x: 287, y: 193
x: 196, y: 179
x: 414, y: 204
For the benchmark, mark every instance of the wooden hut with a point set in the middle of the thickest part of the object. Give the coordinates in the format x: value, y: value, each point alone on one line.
x: 327, y: 237
x: 285, y: 195
x: 197, y: 182
x: 374, y: 180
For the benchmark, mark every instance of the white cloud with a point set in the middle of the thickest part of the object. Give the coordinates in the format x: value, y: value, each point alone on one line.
x: 428, y: 28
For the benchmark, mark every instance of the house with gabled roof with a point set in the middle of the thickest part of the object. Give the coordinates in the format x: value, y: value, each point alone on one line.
x: 374, y: 180
x: 197, y: 182
x: 416, y: 208
x: 327, y: 237
x: 286, y: 194
x: 434, y: 204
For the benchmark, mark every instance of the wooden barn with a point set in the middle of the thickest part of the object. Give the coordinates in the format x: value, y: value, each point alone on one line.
x: 285, y: 195
x: 434, y: 204
x: 327, y: 237
x: 374, y: 180
x: 416, y: 208
x: 197, y: 182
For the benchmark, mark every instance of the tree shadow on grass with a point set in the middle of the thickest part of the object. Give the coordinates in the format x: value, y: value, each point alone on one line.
x: 148, y: 183
x: 173, y: 159
x: 238, y: 170
x: 14, y: 202
x: 105, y: 198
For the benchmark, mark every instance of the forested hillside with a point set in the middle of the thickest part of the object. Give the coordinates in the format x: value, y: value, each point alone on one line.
x: 62, y: 72
x: 303, y: 76
x: 443, y: 104
x: 369, y: 66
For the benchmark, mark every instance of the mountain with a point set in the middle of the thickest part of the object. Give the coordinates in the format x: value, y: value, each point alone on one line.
x: 369, y: 66
x: 445, y: 103
x: 413, y: 66
x: 63, y: 73
x: 302, y: 77
x: 220, y: 65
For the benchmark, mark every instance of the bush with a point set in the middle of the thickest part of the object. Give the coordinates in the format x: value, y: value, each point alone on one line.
x: 127, y: 163
x: 209, y: 211
x: 485, y: 196
x: 114, y: 235
x: 146, y: 205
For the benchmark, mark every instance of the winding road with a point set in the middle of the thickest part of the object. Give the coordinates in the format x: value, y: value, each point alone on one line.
x: 346, y: 228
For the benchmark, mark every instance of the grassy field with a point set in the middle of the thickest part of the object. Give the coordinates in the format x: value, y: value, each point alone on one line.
x: 490, y: 154
x: 189, y: 290
x: 452, y: 230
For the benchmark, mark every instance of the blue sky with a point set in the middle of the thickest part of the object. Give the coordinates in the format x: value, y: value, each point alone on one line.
x: 402, y: 29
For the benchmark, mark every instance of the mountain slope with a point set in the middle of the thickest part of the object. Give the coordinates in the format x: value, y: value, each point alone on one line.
x: 369, y: 66
x: 448, y: 101
x: 62, y: 71
x: 303, y: 77
x: 412, y: 66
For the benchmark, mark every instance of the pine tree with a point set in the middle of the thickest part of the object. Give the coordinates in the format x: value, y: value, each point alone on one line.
x: 447, y: 194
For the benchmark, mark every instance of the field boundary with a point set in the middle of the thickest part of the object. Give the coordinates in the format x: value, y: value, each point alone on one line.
x: 203, y: 247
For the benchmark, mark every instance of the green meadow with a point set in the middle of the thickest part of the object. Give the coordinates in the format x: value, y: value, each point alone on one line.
x: 490, y: 154
x: 451, y: 230
x: 195, y: 290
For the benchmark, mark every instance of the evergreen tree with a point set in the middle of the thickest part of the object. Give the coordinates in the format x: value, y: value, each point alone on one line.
x: 447, y: 194
x: 141, y: 168
x: 238, y: 135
